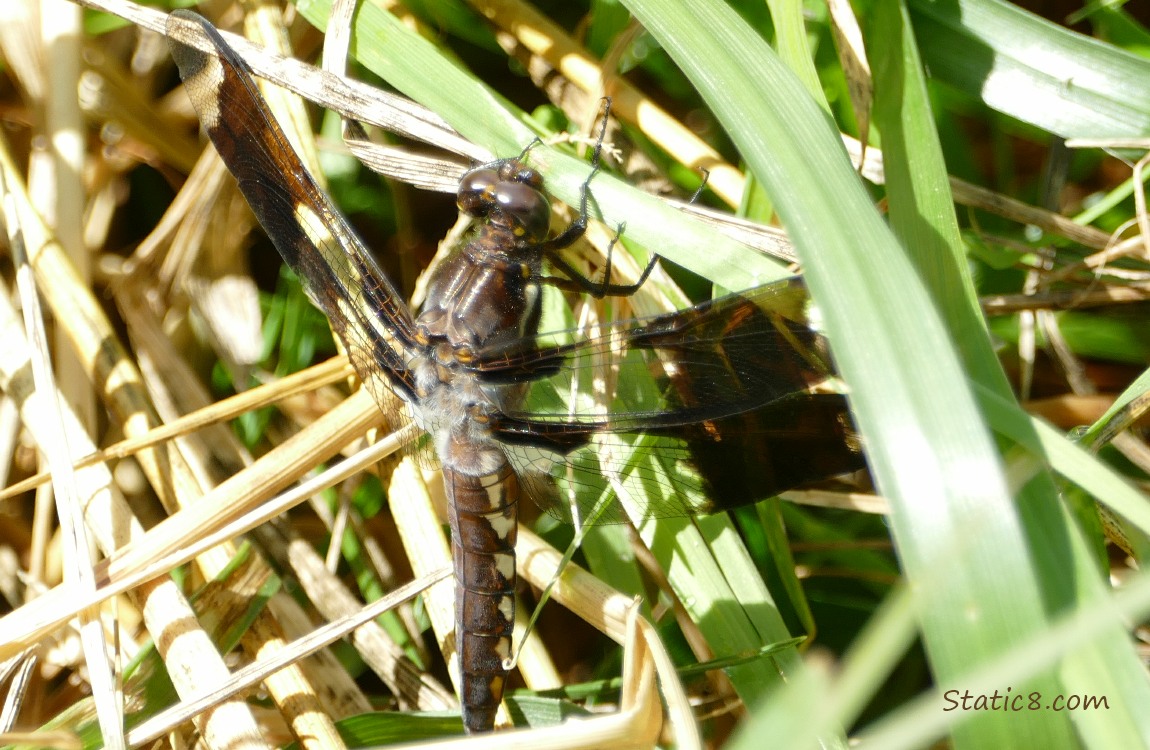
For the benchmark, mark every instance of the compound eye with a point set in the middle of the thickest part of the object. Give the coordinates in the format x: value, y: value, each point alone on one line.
x: 525, y: 209
x: 477, y: 191
x: 514, y: 170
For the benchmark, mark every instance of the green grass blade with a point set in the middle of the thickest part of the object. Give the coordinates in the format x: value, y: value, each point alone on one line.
x: 1031, y: 69
x: 921, y: 211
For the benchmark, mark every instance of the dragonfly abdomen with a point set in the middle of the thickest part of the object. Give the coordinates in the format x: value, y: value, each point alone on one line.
x: 483, y: 515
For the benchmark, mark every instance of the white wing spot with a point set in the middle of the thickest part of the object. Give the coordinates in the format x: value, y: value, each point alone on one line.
x: 314, y: 226
x: 208, y: 76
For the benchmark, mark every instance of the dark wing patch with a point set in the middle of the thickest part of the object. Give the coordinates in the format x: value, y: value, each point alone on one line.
x: 686, y: 470
x: 316, y: 242
x: 710, y: 407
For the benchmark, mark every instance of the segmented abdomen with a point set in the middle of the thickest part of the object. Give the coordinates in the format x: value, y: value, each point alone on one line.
x: 483, y: 515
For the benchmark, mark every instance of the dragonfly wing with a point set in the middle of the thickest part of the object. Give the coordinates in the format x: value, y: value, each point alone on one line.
x: 317, y: 243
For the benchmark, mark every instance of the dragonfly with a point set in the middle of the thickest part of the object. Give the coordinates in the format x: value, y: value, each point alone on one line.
x: 715, y: 406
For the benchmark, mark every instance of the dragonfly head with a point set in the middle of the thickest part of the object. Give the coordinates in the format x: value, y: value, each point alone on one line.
x: 508, y: 196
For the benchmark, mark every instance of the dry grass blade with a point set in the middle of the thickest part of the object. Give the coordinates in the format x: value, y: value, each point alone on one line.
x: 856, y: 67
x: 423, y: 172
x: 90, y: 334
x: 231, y: 509
x: 350, y: 98
x: 69, y: 511
x: 333, y: 371
x: 258, y: 671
